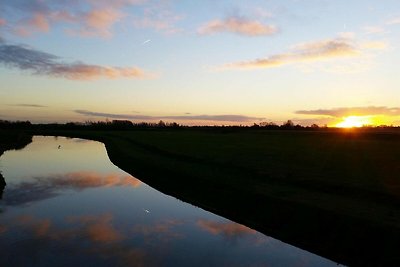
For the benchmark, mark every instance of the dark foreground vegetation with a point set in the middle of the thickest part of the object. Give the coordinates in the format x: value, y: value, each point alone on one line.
x: 333, y: 192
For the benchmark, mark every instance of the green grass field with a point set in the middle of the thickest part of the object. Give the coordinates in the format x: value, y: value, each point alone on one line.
x: 334, y: 193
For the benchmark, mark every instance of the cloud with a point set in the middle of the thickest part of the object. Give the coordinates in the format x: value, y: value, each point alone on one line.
x: 159, y: 16
x: 42, y: 63
x: 353, y: 111
x: 340, y: 47
x: 29, y: 105
x: 3, y: 22
x: 88, y: 236
x: 374, y: 30
x: 313, y: 51
x: 226, y: 229
x: 37, y: 23
x: 393, y: 21
x: 39, y: 227
x: 91, y: 18
x: 98, y: 229
x: 47, y: 187
x: 231, y: 118
x: 98, y: 22
x: 238, y: 25
x: 159, y: 232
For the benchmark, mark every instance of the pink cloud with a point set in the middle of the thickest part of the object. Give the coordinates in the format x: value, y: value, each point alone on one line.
x: 3, y: 22
x: 98, y: 22
x: 159, y: 17
x: 85, y: 18
x: 98, y: 228
x: 238, y: 25
x: 224, y: 228
x: 37, y: 23
x: 340, y: 47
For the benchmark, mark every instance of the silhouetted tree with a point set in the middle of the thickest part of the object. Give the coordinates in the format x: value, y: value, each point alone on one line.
x: 161, y: 124
x: 288, y: 125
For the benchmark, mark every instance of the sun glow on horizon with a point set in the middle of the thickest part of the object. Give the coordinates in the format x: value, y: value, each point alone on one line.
x: 355, y: 122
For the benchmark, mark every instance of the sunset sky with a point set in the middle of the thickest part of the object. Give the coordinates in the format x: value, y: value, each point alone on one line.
x: 201, y: 61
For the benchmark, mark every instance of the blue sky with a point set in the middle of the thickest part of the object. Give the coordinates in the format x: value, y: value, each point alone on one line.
x: 195, y: 61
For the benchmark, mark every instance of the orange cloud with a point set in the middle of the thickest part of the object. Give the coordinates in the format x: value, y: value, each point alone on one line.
x: 229, y: 229
x: 38, y: 23
x: 92, y: 18
x: 98, y: 228
x: 40, y: 227
x: 105, y: 240
x: 98, y: 22
x: 313, y: 51
x: 238, y: 25
x: 83, y: 180
x: 353, y: 111
x: 81, y: 71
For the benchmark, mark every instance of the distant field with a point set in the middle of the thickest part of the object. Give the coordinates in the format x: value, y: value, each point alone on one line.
x: 335, y: 193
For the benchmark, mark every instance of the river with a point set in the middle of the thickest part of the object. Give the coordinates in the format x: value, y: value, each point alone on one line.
x: 66, y: 204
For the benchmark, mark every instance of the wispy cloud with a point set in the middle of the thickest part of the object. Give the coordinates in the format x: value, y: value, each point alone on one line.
x: 98, y: 229
x: 353, y: 111
x: 42, y: 63
x: 238, y: 25
x: 393, y: 21
x: 29, y: 105
x: 218, y: 118
x: 3, y: 22
x: 37, y: 23
x: 160, y: 232
x: 340, y: 47
x: 374, y: 29
x: 160, y: 17
x: 87, y: 18
x: 47, y: 187
x: 98, y: 22
x: 231, y: 231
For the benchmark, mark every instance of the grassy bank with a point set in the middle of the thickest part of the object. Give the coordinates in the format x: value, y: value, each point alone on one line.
x: 335, y: 194
x: 13, y: 139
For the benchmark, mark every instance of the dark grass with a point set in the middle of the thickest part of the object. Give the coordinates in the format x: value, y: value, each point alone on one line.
x: 13, y: 139
x: 334, y: 193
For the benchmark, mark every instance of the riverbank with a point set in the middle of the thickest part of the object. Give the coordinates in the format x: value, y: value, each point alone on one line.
x: 13, y: 139
x: 333, y: 193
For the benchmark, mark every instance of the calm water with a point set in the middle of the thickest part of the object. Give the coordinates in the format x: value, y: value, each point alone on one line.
x: 72, y: 207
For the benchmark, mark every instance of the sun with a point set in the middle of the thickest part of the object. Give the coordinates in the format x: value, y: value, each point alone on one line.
x: 354, y: 122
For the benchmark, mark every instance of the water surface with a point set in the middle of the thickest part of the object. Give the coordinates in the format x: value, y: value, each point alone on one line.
x: 66, y: 204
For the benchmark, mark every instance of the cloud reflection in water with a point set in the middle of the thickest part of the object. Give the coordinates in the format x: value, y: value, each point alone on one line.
x: 40, y: 188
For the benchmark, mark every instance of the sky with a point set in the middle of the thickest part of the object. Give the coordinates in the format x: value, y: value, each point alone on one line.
x: 201, y: 62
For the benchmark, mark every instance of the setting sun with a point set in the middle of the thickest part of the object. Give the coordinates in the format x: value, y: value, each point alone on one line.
x: 354, y: 121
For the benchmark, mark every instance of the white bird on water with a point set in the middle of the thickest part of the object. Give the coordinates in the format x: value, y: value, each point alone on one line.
x: 147, y: 211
